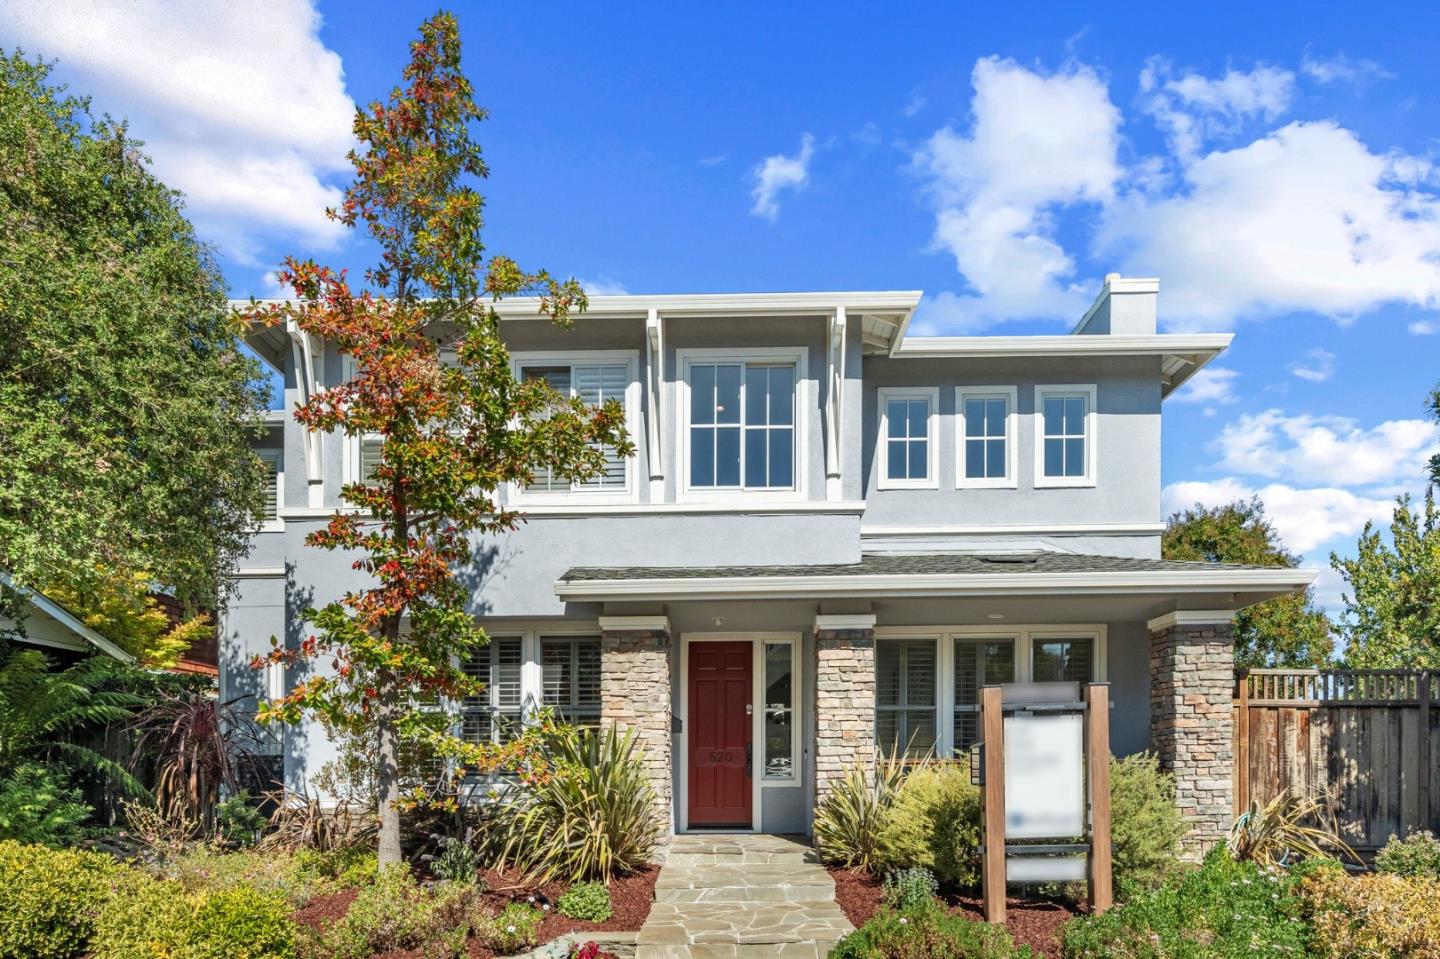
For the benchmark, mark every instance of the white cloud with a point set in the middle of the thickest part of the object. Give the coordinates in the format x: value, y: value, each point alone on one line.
x: 1342, y: 69
x: 1306, y: 218
x: 1038, y: 142
x: 603, y: 286
x: 914, y: 105
x: 1192, y: 108
x: 241, y: 106
x: 1326, y: 450
x: 1213, y: 384
x: 780, y: 172
x: 1317, y: 366
x: 1424, y: 328
x: 1304, y: 518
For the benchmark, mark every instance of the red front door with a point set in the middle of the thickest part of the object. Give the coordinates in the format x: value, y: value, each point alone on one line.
x: 719, y: 745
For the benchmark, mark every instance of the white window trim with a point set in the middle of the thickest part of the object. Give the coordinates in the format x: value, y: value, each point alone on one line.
x: 1092, y: 422
x: 1022, y: 636
x: 532, y: 671
x: 931, y: 395
x: 794, y: 779
x: 517, y: 495
x: 805, y: 402
x: 1012, y: 432
x: 273, y: 523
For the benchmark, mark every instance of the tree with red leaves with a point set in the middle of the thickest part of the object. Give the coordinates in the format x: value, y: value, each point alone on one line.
x: 452, y: 432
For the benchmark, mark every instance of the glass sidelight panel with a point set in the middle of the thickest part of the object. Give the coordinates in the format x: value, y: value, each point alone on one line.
x: 779, y: 706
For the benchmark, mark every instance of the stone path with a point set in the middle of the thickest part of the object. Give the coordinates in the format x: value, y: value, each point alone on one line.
x: 741, y: 897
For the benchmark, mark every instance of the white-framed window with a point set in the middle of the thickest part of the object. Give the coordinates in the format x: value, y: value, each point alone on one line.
x: 928, y: 678
x: 742, y: 423
x: 274, y: 462
x: 593, y: 377
x: 570, y: 678
x: 985, y: 437
x: 779, y: 687
x: 909, y: 442
x: 1065, y: 421
x: 497, y: 714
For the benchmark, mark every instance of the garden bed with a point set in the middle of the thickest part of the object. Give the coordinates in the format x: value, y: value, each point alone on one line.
x: 1037, y: 923
x: 630, y: 897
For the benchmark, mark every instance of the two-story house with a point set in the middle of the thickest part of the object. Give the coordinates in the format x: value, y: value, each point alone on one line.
x: 831, y: 535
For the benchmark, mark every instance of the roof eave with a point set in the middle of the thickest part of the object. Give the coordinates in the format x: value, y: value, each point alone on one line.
x: 1277, y: 581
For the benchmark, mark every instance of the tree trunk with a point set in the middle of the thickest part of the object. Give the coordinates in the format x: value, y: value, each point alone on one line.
x: 388, y: 783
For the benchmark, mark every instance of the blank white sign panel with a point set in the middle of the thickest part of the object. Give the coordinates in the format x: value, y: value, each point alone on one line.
x: 1044, y: 776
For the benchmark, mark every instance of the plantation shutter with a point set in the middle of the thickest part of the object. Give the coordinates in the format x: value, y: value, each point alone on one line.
x: 495, y: 714
x: 595, y: 385
x: 977, y: 664
x: 905, y: 674
x: 570, y: 678
x: 371, y: 448
x: 558, y: 379
x: 271, y: 459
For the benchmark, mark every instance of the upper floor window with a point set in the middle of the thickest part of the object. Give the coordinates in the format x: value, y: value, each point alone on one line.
x: 273, y: 474
x: 741, y: 425
x: 908, y: 441
x: 594, y: 385
x: 1065, y: 436
x: 986, y: 436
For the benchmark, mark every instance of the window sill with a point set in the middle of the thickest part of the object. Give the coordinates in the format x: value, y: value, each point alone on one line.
x: 888, y: 484
x: 1000, y: 483
x: 1064, y: 482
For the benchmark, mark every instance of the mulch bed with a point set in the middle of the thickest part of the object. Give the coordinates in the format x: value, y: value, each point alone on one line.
x: 1036, y: 923
x: 630, y: 897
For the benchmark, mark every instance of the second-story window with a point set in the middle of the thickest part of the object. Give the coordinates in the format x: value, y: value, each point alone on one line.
x: 592, y: 384
x: 273, y: 494
x: 908, y: 442
x: 742, y: 425
x: 986, y: 437
x: 1065, y: 436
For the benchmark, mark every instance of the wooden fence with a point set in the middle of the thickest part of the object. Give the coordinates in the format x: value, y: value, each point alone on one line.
x: 1366, y: 740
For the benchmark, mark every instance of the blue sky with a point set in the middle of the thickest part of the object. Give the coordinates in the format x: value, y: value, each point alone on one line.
x: 1273, y: 164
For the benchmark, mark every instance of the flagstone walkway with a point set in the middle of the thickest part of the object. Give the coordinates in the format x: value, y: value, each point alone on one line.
x: 741, y: 897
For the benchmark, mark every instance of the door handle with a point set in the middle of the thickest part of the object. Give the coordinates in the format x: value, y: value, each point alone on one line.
x: 749, y: 759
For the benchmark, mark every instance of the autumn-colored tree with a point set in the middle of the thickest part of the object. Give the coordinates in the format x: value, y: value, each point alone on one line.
x: 122, y: 608
x: 1285, y: 631
x: 452, y: 432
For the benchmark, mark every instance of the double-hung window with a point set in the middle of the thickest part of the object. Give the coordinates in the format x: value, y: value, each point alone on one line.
x: 986, y: 436
x: 593, y: 384
x: 908, y: 441
x: 905, y: 683
x: 1065, y: 436
x: 497, y: 713
x: 570, y: 678
x: 741, y: 425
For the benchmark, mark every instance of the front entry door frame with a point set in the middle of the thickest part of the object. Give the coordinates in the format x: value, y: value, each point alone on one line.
x: 757, y: 729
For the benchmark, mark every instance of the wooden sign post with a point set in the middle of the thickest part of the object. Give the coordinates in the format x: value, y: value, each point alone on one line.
x: 1054, y: 751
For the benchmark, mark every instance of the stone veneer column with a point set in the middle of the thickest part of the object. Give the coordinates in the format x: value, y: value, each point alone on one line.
x: 635, y: 694
x: 844, y: 697
x: 1192, y: 680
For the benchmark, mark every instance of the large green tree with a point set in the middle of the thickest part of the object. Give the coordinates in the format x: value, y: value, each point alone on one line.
x: 1392, y: 600
x: 1285, y: 631
x: 452, y: 432
x: 126, y: 404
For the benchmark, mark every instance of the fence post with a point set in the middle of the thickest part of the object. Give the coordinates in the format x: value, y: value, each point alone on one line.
x: 1241, y: 789
x: 1423, y: 748
x: 992, y: 724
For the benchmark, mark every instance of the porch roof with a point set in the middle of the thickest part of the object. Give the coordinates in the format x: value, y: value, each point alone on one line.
x: 939, y: 575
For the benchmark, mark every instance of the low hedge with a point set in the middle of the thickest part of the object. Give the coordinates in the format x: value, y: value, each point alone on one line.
x: 49, y: 899
x: 148, y: 918
x: 927, y: 934
x: 1376, y: 915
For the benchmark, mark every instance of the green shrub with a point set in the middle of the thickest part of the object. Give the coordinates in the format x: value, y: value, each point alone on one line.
x: 207, y: 869
x: 516, y: 928
x: 239, y: 820
x: 934, y: 823
x: 925, y: 933
x: 1418, y: 854
x: 344, y: 867
x: 36, y: 806
x: 48, y: 900
x: 850, y: 817
x: 592, y: 815
x: 392, y: 913
x: 148, y: 918
x: 1381, y: 915
x: 1225, y: 909
x: 912, y: 888
x: 458, y: 861
x: 589, y: 901
x: 1145, y: 827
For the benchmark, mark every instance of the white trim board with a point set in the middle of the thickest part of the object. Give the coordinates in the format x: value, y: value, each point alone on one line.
x: 945, y: 584
x: 1020, y: 529
x: 1190, y: 617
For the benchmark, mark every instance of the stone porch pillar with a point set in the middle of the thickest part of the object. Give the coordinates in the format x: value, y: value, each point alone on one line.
x: 844, y: 697
x: 1192, y: 679
x: 635, y: 694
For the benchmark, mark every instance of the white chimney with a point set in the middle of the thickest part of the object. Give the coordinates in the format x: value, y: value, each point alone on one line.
x: 1125, y: 307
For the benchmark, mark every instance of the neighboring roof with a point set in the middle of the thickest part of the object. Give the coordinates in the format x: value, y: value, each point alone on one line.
x: 67, y: 621
x: 947, y: 574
